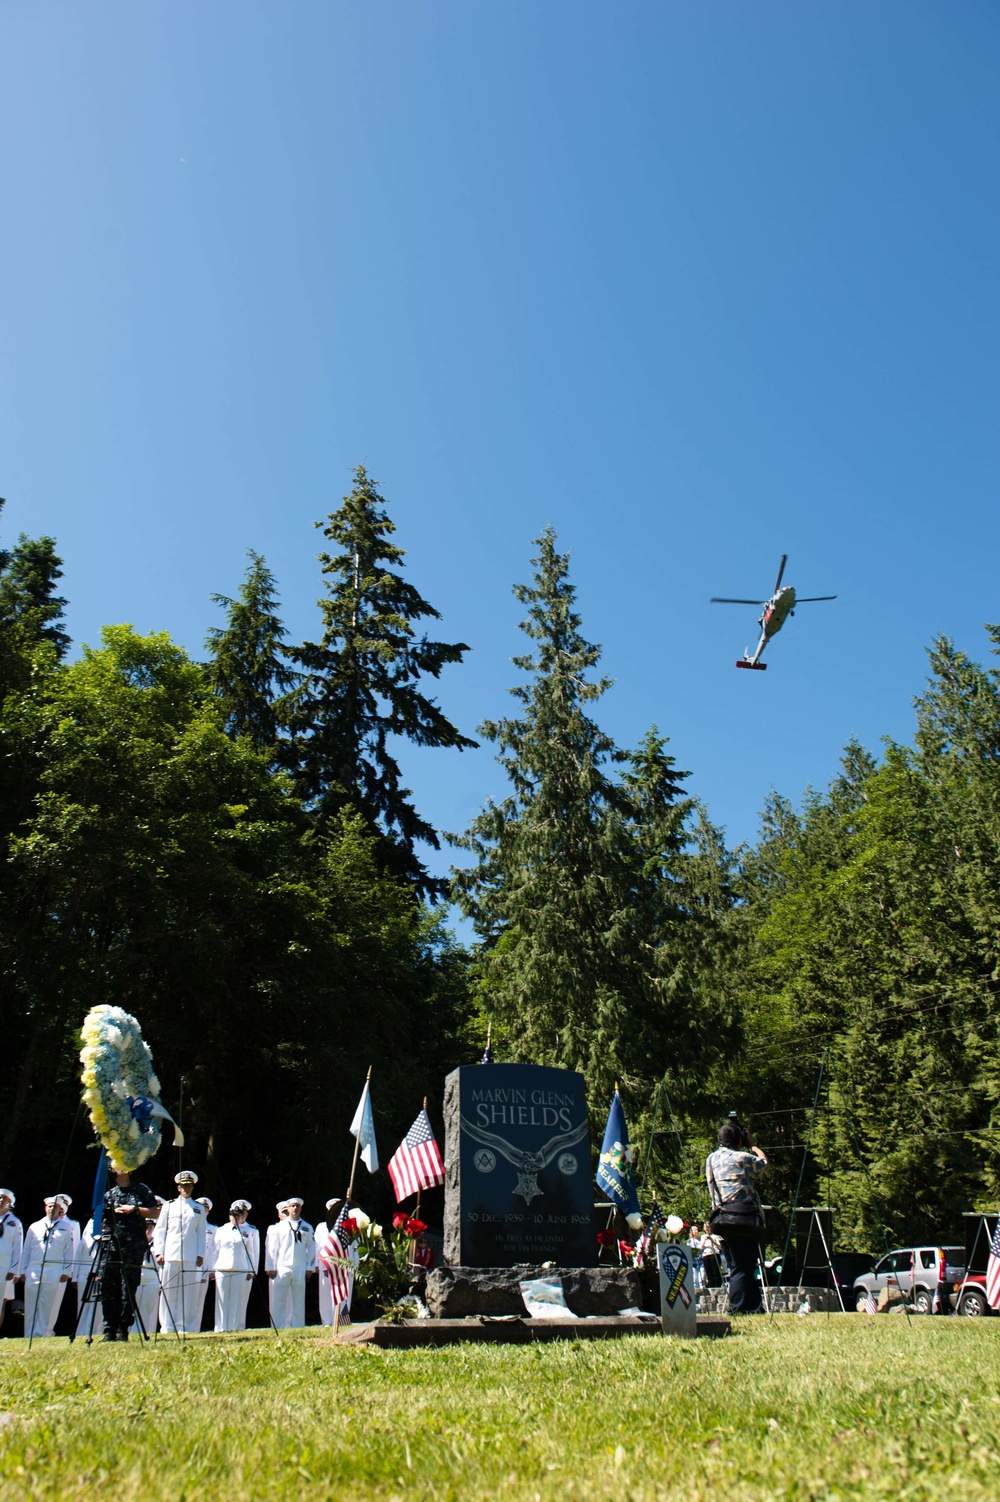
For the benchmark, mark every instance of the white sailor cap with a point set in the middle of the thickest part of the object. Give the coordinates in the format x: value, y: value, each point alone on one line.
x: 186, y: 1176
x: 204, y: 1200
x: 9, y: 1194
x: 281, y: 1205
x: 295, y: 1199
x: 337, y: 1200
x: 52, y: 1199
x: 65, y: 1200
x: 240, y: 1205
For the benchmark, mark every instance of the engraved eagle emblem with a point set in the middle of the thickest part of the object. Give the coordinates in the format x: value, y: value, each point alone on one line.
x: 528, y: 1164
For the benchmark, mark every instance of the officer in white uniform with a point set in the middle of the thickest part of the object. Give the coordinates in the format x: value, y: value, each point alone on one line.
x: 289, y: 1258
x: 237, y: 1257
x: 11, y: 1246
x: 208, y: 1270
x: 47, y: 1268
x: 179, y: 1248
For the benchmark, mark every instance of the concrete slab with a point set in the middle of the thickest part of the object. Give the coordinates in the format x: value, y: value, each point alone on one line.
x: 506, y: 1331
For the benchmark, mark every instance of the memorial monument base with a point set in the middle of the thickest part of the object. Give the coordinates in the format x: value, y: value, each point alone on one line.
x: 460, y: 1292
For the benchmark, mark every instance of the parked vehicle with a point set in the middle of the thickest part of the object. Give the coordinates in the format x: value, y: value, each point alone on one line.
x: 917, y: 1271
x: 969, y: 1296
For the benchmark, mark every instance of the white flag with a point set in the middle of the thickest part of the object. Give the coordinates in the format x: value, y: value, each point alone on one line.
x: 363, y: 1127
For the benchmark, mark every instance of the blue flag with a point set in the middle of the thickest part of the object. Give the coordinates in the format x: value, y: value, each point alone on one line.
x: 100, y: 1187
x: 614, y: 1171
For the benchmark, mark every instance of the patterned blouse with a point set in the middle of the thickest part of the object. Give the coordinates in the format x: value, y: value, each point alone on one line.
x: 727, y: 1170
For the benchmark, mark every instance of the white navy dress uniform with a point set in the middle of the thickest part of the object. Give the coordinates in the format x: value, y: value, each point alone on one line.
x: 147, y: 1294
x: 87, y: 1315
x: 290, y: 1253
x: 47, y: 1266
x: 209, y: 1264
x: 11, y: 1247
x: 237, y: 1257
x: 180, y: 1240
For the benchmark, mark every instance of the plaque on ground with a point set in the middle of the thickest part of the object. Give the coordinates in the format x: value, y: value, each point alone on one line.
x: 518, y: 1183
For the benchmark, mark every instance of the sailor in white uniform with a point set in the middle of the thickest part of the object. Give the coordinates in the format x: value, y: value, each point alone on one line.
x: 148, y: 1293
x: 326, y: 1310
x: 11, y: 1246
x: 87, y: 1315
x: 237, y: 1257
x: 289, y: 1258
x: 208, y: 1270
x: 47, y: 1268
x: 179, y: 1248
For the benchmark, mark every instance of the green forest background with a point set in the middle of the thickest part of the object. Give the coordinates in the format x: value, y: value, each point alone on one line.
x: 225, y: 848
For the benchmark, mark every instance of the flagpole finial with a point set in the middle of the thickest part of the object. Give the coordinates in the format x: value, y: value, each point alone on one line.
x: 616, y: 1087
x: 425, y: 1103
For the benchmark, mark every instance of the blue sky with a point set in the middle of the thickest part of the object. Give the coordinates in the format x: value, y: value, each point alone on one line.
x: 698, y: 284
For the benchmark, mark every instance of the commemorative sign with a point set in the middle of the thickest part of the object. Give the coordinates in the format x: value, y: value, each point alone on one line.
x: 517, y: 1162
x: 678, y: 1311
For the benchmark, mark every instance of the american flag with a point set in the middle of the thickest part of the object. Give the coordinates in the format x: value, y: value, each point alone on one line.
x: 993, y: 1271
x: 416, y: 1164
x: 656, y: 1222
x: 333, y: 1256
x: 871, y: 1303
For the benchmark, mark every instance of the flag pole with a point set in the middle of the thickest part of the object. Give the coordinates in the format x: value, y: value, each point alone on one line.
x: 357, y: 1143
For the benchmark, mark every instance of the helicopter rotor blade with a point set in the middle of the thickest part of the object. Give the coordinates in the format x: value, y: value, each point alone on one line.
x: 812, y: 599
x: 781, y: 570
x: 721, y: 600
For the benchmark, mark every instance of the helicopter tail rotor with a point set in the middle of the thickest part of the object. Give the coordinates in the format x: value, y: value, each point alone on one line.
x: 758, y: 667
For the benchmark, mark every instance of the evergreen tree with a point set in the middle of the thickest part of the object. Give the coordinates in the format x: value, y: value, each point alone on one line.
x: 30, y: 610
x: 579, y: 892
x: 248, y: 669
x: 360, y: 690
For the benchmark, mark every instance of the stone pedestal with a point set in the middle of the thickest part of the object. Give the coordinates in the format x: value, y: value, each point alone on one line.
x: 459, y: 1292
x: 518, y: 1187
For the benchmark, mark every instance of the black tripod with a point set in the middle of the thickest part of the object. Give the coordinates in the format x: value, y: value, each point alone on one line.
x: 108, y: 1250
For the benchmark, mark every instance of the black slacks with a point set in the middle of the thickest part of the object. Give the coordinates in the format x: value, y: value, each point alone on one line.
x: 744, y: 1290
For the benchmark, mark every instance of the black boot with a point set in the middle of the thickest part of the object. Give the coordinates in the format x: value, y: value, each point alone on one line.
x: 109, y: 1335
x: 123, y: 1335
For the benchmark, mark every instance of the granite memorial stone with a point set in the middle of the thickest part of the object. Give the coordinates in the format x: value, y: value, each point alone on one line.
x: 518, y: 1183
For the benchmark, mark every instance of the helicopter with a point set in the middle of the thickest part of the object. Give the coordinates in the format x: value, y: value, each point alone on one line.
x: 776, y: 611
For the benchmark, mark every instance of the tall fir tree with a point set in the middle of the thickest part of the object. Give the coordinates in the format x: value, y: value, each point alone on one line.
x: 248, y: 667
x: 578, y: 892
x: 31, y: 613
x: 359, y: 690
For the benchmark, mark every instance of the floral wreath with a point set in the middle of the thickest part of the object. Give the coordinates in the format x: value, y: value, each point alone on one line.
x: 120, y: 1089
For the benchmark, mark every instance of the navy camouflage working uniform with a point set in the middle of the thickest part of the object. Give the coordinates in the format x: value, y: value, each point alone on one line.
x: 123, y: 1239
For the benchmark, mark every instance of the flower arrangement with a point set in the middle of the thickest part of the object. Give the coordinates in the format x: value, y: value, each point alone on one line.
x: 120, y: 1090
x: 385, y: 1267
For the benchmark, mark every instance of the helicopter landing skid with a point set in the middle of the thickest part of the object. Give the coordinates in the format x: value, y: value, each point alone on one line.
x: 759, y: 667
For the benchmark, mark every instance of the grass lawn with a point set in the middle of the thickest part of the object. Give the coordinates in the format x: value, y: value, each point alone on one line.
x: 802, y: 1408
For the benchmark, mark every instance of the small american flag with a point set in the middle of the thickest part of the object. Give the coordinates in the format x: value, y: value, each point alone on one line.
x: 334, y: 1258
x: 416, y: 1164
x: 871, y: 1303
x: 993, y: 1271
x: 656, y: 1222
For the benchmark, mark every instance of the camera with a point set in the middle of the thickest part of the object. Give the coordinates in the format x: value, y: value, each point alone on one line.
x: 734, y: 1118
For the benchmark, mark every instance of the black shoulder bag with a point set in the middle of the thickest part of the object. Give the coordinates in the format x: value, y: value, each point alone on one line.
x: 739, y: 1217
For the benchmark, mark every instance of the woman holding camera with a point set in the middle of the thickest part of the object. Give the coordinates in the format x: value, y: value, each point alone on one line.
x: 731, y: 1173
